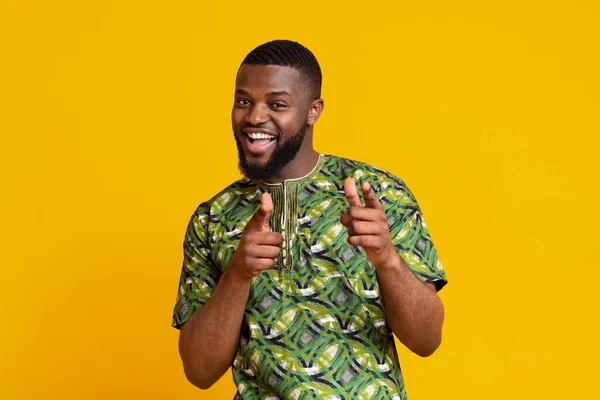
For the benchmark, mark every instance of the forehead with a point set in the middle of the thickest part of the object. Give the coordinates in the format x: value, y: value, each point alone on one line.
x: 269, y: 78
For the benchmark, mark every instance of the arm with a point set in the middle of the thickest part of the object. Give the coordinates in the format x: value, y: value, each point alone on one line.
x: 209, y: 339
x: 413, y: 310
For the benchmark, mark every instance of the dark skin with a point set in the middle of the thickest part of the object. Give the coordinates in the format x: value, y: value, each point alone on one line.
x: 275, y: 101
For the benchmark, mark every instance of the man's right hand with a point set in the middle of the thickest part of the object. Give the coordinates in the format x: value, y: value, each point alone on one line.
x: 258, y: 246
x: 209, y: 340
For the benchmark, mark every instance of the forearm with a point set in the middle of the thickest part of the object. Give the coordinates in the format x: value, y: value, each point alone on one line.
x: 413, y: 310
x: 209, y: 340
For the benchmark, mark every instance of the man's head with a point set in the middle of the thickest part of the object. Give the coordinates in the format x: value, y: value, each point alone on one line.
x: 277, y: 101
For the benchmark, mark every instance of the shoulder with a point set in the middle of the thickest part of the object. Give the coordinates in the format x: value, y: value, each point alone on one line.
x: 382, y: 181
x: 230, y: 197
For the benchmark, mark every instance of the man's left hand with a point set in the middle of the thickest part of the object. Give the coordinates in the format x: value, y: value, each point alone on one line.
x: 368, y: 226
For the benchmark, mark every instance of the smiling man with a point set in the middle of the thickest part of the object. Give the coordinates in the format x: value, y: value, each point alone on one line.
x: 294, y: 276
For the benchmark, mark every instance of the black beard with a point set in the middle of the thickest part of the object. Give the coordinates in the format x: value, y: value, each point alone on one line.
x: 281, y: 156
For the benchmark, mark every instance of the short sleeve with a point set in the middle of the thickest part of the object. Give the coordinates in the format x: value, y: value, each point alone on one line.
x: 410, y: 235
x: 199, y: 274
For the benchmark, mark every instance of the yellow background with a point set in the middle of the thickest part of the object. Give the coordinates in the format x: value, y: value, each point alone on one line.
x: 114, y: 126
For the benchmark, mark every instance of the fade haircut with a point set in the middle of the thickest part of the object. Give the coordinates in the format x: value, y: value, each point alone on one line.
x: 287, y: 53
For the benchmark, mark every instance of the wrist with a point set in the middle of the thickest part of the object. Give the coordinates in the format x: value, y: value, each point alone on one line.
x: 390, y: 263
x: 235, y: 279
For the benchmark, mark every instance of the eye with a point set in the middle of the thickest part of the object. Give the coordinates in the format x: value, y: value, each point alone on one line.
x: 278, y: 105
x: 242, y: 102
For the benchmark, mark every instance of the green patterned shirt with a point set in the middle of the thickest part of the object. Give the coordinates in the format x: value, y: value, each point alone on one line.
x: 314, y: 327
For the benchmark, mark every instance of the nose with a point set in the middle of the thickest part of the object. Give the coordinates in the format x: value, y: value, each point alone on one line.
x: 257, y: 115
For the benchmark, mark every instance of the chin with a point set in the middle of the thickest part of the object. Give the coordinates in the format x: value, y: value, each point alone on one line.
x: 259, y: 161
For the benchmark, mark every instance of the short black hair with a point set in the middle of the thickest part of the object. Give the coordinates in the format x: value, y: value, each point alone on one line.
x: 288, y: 53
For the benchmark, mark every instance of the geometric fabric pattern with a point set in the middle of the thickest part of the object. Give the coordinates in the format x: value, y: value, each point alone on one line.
x: 314, y: 327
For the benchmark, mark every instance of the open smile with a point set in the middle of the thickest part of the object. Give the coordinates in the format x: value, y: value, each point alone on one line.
x: 258, y: 143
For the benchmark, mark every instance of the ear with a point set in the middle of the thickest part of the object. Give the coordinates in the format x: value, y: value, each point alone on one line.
x: 314, y: 111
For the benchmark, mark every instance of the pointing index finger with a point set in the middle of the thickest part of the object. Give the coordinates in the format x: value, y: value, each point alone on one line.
x: 371, y: 199
x: 260, y: 219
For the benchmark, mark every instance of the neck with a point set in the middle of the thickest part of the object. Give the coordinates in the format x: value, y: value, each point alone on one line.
x: 304, y: 162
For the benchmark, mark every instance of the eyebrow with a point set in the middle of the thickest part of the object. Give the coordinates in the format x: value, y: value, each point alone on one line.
x: 270, y: 94
x: 279, y: 93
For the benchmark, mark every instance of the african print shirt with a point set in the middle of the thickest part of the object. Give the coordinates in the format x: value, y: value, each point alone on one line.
x: 314, y: 327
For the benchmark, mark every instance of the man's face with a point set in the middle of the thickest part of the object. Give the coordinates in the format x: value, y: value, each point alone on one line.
x: 269, y: 118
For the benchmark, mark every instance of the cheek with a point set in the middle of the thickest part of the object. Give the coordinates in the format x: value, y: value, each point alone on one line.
x: 289, y: 123
x: 237, y: 116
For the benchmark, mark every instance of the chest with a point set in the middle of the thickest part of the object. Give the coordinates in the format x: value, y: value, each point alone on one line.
x: 319, y: 276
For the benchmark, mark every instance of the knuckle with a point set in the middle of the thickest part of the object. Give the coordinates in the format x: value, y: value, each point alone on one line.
x: 361, y: 227
x: 250, y: 248
x: 383, y: 242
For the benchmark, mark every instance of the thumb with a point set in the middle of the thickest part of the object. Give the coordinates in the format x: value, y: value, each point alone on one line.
x: 351, y: 192
x: 260, y: 219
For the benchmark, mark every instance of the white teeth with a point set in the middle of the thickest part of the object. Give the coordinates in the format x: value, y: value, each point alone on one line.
x: 260, y: 136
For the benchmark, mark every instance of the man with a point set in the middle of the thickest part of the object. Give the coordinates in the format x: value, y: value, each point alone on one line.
x: 293, y: 275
